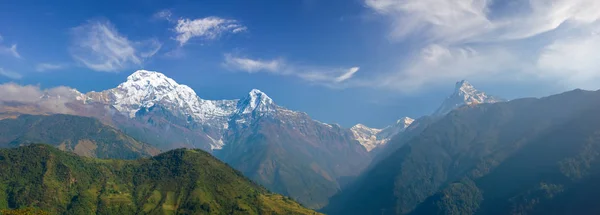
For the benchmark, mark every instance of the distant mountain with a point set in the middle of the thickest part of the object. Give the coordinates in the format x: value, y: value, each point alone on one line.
x: 526, y: 156
x: 372, y: 138
x: 82, y: 135
x: 464, y: 94
x: 176, y: 182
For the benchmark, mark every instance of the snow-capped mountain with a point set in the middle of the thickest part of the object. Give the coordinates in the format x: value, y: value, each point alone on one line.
x: 372, y: 138
x: 144, y: 89
x: 464, y: 94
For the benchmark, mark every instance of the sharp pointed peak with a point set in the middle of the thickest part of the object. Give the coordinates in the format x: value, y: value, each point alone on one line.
x: 256, y: 100
x: 256, y: 94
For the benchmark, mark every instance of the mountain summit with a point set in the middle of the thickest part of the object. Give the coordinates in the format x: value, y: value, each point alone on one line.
x: 464, y: 94
x: 255, y: 101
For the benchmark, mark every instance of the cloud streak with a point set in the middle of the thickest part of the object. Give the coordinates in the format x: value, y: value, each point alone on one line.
x: 332, y: 77
x: 99, y: 46
x: 10, y: 74
x: 43, y: 67
x: 208, y: 28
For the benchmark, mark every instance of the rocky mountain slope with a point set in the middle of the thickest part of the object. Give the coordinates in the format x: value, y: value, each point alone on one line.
x: 176, y: 182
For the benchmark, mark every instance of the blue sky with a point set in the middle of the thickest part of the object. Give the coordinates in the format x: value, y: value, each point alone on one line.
x: 342, y: 61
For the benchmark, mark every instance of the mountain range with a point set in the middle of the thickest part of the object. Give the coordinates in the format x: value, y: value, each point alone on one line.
x: 476, y: 154
x: 526, y: 156
x: 284, y: 150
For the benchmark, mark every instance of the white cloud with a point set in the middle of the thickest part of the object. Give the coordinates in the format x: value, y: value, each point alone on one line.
x: 208, y: 28
x: 489, y: 40
x: 439, y: 65
x: 42, y: 67
x: 99, y: 46
x: 30, y: 94
x: 10, y: 74
x: 452, y: 20
x: 332, y: 77
x: 575, y: 61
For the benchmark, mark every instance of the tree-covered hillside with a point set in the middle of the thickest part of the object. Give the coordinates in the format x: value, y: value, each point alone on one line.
x: 176, y: 182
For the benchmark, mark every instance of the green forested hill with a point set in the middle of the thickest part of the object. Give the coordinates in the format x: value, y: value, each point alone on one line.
x: 176, y: 182
x: 527, y: 156
x: 83, y: 135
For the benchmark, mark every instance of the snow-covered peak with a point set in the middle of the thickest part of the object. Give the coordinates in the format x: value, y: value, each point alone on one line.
x: 364, y: 129
x: 366, y: 136
x: 464, y: 94
x: 405, y: 121
x: 256, y: 101
x: 371, y: 138
x: 144, y: 89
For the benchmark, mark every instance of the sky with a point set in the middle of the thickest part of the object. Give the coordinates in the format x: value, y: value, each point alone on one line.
x: 340, y: 61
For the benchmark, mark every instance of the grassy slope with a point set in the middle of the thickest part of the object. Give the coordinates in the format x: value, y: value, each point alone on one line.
x: 176, y: 182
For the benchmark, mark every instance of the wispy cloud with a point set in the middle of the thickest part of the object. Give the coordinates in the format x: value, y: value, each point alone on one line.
x: 208, y: 28
x: 99, y: 46
x: 42, y: 67
x: 10, y: 74
x: 328, y: 76
x: 163, y: 14
x: 10, y: 50
x: 485, y: 40
x: 254, y: 65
